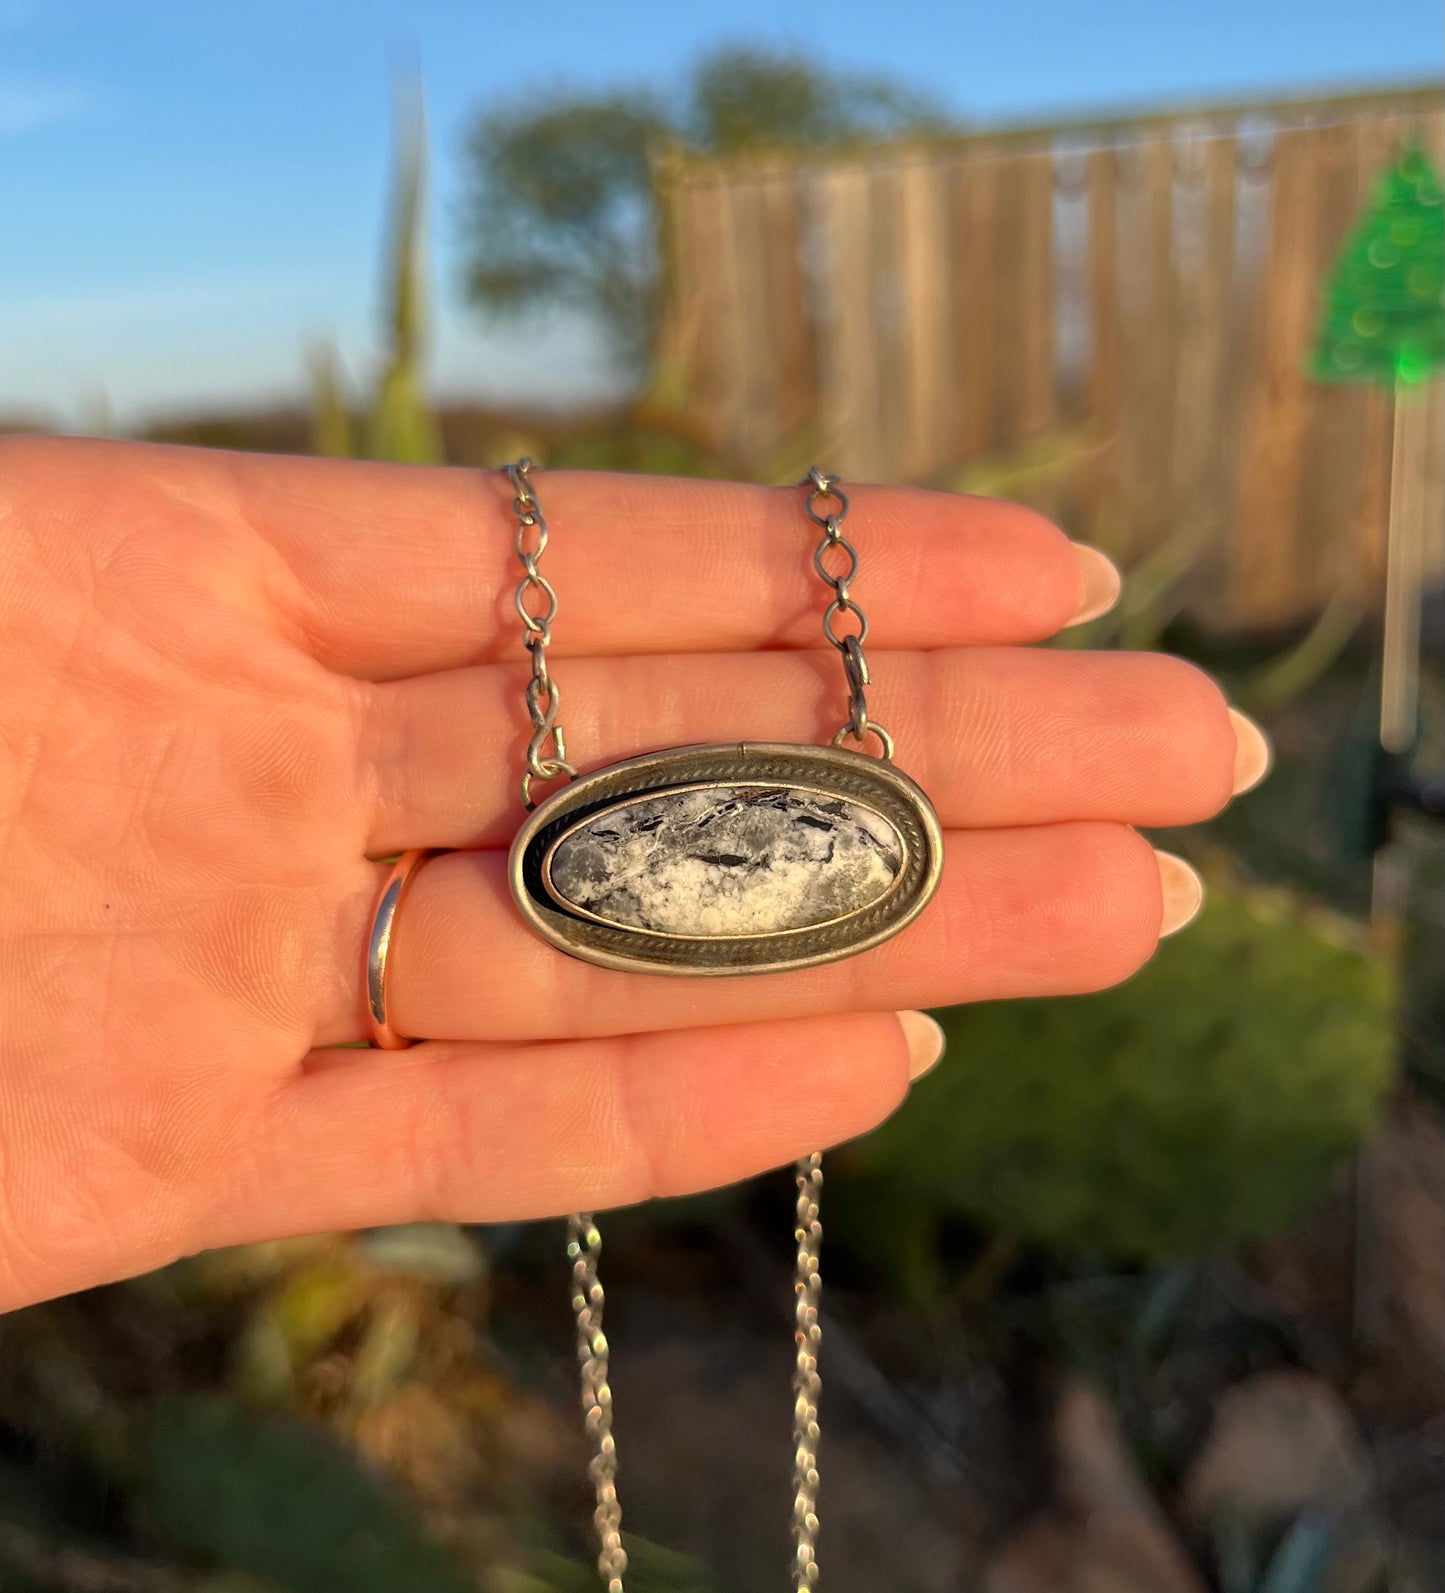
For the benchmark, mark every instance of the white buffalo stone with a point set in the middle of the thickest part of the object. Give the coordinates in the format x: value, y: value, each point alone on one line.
x: 726, y: 861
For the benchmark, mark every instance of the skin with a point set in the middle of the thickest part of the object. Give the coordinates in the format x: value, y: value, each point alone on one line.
x: 230, y: 685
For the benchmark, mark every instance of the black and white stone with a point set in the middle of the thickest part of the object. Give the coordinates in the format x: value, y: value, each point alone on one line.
x: 726, y: 861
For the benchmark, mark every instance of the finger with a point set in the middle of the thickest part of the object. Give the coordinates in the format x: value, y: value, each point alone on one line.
x: 388, y: 570
x: 478, y: 1133
x: 655, y: 565
x: 1051, y: 910
x: 996, y: 736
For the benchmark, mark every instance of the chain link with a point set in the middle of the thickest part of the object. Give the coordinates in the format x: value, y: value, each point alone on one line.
x: 544, y: 695
x: 858, y: 725
x: 807, y: 1385
x: 584, y: 1247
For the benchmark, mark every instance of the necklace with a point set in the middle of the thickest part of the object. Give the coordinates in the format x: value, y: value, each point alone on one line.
x: 715, y: 860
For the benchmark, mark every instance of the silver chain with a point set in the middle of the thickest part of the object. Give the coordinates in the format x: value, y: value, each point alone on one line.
x: 850, y: 644
x: 544, y: 695
x: 584, y: 1247
x: 807, y: 1385
x: 584, y: 1240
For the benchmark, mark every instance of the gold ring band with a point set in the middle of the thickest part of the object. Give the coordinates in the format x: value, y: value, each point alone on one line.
x: 378, y: 948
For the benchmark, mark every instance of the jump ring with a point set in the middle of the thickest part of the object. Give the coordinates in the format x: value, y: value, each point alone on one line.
x: 884, y: 739
x: 855, y: 665
x: 852, y: 556
x: 550, y: 769
x: 378, y: 948
x: 858, y: 721
x: 833, y: 610
x: 834, y: 515
x: 823, y: 487
x: 538, y: 583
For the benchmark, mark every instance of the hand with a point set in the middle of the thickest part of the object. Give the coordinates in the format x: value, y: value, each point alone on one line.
x: 232, y: 685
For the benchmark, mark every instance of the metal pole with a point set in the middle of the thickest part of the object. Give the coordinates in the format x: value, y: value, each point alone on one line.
x: 1389, y: 878
x: 1400, y: 672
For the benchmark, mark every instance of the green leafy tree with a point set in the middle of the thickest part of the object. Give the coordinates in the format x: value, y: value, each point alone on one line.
x: 1384, y: 302
x: 559, y: 210
x: 741, y: 99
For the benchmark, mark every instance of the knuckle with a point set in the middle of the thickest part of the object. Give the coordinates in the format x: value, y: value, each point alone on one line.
x: 1120, y: 895
x: 1138, y: 905
x: 1046, y: 555
x: 1199, y: 724
x: 642, y: 1138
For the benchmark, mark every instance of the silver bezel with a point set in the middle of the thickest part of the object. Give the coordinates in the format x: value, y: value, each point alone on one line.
x: 868, y: 781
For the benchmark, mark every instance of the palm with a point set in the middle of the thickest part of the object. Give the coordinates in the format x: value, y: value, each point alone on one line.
x: 175, y: 864
x: 233, y: 685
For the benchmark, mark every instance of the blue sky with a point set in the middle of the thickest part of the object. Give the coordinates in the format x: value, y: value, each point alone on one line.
x: 191, y: 192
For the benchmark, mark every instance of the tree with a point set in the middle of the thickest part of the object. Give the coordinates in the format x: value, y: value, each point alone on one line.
x: 559, y: 208
x: 1383, y: 321
x: 741, y: 99
x: 1384, y: 302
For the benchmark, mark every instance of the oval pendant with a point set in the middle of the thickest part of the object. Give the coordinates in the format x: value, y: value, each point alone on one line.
x: 728, y: 859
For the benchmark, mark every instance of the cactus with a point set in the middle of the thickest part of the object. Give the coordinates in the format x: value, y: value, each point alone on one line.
x: 400, y: 424
x: 1201, y: 1105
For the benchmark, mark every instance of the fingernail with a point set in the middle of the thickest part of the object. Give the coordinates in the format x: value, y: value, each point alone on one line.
x: 1183, y: 893
x: 1252, y: 754
x: 1099, y: 584
x: 925, y: 1042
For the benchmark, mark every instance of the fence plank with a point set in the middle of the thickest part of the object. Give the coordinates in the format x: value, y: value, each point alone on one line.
x: 675, y: 357
x: 881, y: 248
x: 1431, y: 129
x: 1146, y: 336
x: 712, y: 310
x: 1099, y: 490
x: 928, y: 390
x: 1278, y: 408
x: 1037, y: 398
x: 790, y: 327
x: 1161, y: 336
x: 1205, y: 295
x: 756, y: 422
x: 849, y: 364
x: 973, y: 188
x: 1007, y: 295
x: 1334, y: 448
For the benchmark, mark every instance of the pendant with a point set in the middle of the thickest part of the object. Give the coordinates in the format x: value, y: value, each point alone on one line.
x: 743, y: 858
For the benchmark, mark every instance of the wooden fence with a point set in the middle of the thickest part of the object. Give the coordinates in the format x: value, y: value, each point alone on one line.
x: 1116, y: 315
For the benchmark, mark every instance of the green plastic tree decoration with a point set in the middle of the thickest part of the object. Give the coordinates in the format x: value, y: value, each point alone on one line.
x: 1383, y: 322
x: 1384, y: 302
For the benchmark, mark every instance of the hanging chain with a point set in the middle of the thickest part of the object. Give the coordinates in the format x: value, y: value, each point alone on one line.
x: 807, y: 1335
x: 850, y: 644
x: 584, y: 1247
x: 544, y: 695
x: 808, y: 1278
x: 584, y: 1241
